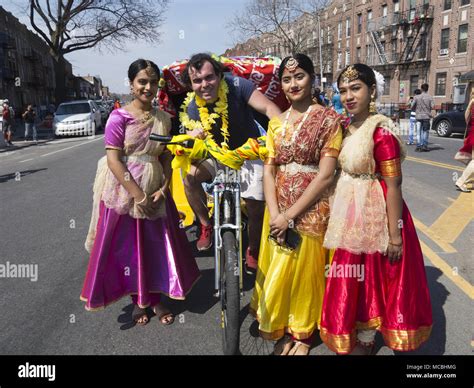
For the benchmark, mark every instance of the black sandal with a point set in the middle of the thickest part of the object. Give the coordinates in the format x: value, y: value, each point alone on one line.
x: 140, y: 316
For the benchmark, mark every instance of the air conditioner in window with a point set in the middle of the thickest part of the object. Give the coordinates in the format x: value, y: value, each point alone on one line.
x: 443, y: 52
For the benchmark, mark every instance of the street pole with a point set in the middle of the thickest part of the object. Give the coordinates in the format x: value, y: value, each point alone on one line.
x: 320, y: 54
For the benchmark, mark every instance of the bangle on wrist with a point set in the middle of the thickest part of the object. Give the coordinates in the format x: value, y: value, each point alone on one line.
x: 142, y: 201
x: 291, y: 222
x: 396, y: 245
x: 162, y: 192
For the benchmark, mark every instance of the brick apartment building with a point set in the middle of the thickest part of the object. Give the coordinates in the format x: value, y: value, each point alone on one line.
x: 409, y: 41
x: 27, y: 69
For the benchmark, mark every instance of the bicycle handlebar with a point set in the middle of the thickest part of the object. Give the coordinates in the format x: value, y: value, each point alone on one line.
x: 167, y: 140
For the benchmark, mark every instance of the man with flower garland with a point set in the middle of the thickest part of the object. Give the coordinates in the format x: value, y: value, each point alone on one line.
x: 221, y: 106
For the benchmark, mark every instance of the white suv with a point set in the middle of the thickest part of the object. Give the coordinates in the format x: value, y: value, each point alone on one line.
x: 77, y: 118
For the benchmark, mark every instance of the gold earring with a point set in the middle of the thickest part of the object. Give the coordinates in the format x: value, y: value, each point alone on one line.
x: 372, y: 108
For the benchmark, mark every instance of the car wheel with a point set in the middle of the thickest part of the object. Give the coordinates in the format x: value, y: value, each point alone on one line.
x: 444, y: 128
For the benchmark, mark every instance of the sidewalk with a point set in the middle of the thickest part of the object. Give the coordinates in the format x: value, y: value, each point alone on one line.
x: 44, y: 135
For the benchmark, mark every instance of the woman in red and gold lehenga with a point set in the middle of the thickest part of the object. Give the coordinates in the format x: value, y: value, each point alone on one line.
x: 377, y: 278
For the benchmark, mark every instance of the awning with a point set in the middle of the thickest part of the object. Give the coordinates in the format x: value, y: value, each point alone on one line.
x: 469, y: 76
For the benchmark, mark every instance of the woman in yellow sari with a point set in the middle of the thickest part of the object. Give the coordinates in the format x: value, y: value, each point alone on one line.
x: 303, y: 145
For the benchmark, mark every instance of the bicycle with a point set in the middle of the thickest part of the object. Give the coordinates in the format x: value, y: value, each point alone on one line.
x: 228, y: 276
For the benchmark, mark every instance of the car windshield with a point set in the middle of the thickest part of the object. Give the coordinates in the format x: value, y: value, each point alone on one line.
x: 73, y: 109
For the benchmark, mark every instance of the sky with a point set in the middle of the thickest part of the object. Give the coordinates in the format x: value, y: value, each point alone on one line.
x: 191, y: 26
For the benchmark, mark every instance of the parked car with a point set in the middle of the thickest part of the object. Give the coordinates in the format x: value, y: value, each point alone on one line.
x: 77, y: 118
x: 448, y: 123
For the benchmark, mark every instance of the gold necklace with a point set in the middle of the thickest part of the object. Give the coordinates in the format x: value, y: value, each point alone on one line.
x: 142, y: 115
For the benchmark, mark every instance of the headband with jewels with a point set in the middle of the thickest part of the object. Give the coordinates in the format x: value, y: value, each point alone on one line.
x: 350, y: 74
x: 150, y: 70
x: 291, y: 64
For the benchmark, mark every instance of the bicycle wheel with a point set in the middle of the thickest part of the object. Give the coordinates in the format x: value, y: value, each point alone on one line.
x: 230, y: 294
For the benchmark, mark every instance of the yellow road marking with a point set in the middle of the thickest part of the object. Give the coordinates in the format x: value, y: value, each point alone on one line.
x: 454, y: 219
x: 448, y: 248
x: 447, y: 270
x: 436, y: 164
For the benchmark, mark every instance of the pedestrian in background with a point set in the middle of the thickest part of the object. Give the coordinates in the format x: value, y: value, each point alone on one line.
x: 29, y: 116
x: 7, y: 115
x: 336, y: 103
x: 423, y: 105
x: 466, y: 154
x: 412, y: 127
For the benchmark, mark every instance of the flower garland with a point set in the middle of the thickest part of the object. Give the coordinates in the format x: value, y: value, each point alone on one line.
x: 207, y: 120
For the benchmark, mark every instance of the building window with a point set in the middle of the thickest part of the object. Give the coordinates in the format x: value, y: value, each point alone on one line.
x: 413, y: 84
x: 348, y: 57
x: 348, y: 27
x: 329, y: 35
x: 359, y: 23
x: 447, y: 5
x: 339, y: 31
x: 386, y: 89
x: 444, y: 39
x: 411, y: 16
x: 339, y: 59
x: 440, y: 89
x: 369, y: 17
x: 465, y: 2
x: 358, y: 54
x: 462, y: 38
x: 384, y: 10
x: 396, y: 6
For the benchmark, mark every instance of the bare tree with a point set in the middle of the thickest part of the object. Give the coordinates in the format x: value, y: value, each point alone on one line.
x: 72, y: 25
x: 322, y: 55
x: 271, y: 19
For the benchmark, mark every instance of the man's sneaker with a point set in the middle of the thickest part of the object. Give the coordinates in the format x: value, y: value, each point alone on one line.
x: 418, y: 149
x: 205, y: 239
x: 251, y: 262
x: 425, y: 149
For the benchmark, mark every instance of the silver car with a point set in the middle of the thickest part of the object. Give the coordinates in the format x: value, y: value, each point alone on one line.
x: 76, y: 118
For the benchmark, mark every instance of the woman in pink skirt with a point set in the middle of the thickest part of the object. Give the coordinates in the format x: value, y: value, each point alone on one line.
x: 137, y: 247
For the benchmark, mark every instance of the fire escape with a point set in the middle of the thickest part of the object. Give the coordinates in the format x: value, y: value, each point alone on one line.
x: 407, y: 33
x: 7, y: 67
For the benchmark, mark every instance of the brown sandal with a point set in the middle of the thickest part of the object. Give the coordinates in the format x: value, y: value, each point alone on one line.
x: 165, y: 316
x: 140, y: 316
x: 363, y: 349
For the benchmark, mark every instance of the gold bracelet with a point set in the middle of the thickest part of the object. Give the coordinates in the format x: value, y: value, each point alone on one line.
x: 396, y: 245
x: 142, y: 201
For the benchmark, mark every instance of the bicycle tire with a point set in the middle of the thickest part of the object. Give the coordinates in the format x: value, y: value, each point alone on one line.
x: 230, y: 295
